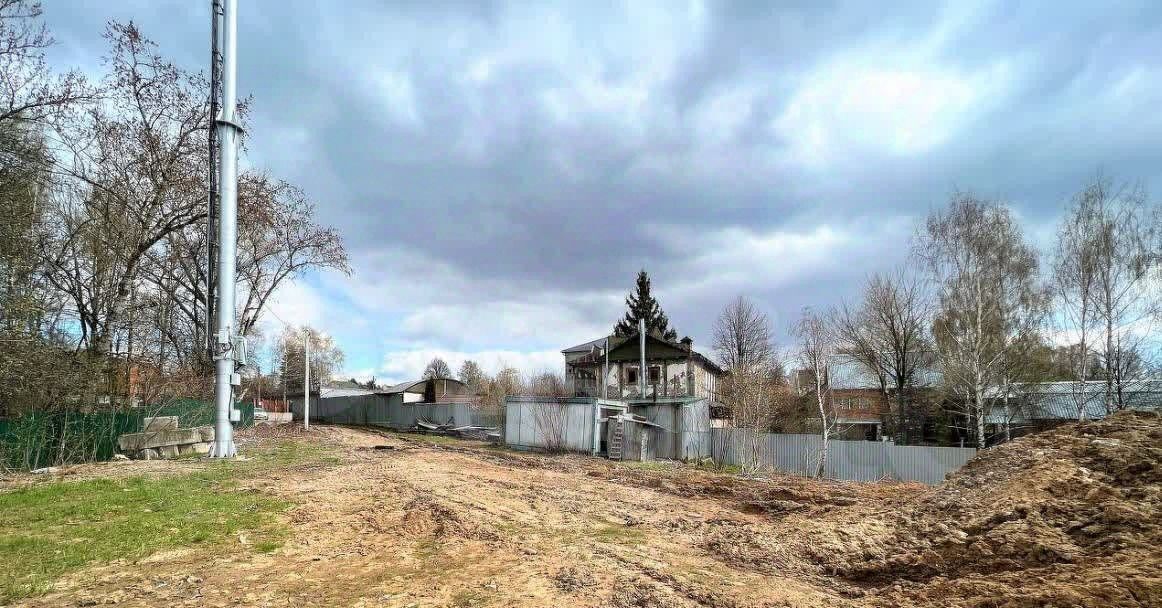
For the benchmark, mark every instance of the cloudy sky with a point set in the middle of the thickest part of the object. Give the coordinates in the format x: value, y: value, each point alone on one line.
x: 501, y: 170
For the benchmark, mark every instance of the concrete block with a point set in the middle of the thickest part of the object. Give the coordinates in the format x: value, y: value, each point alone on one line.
x: 148, y: 454
x: 160, y: 423
x: 206, y: 433
x: 202, y: 448
x: 131, y: 442
x: 168, y: 451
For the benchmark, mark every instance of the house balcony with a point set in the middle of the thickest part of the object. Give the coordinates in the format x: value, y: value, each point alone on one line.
x: 591, y: 388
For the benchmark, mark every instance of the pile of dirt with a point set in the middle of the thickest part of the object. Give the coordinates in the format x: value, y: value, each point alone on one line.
x: 425, y: 516
x: 1063, y: 507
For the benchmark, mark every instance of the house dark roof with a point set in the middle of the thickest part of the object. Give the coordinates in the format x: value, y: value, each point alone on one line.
x: 617, y: 341
x: 588, y: 346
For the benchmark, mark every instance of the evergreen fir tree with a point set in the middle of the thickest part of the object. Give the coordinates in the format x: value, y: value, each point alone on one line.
x: 642, y: 305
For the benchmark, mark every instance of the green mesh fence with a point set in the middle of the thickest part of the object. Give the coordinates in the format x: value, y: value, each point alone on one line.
x: 40, y: 439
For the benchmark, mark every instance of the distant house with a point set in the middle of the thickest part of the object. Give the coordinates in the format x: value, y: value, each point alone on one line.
x: 866, y: 408
x: 610, y: 367
x: 1041, y: 405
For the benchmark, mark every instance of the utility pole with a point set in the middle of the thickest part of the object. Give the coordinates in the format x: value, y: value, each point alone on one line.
x: 306, y: 380
x: 226, y: 342
x: 605, y: 372
x: 641, y: 373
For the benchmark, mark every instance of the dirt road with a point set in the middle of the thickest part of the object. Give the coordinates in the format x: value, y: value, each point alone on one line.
x: 418, y: 524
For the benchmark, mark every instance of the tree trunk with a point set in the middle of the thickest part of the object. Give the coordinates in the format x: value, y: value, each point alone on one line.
x: 978, y: 406
x: 823, y: 435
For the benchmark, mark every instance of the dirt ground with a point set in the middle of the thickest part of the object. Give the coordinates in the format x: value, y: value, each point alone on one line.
x: 1053, y: 520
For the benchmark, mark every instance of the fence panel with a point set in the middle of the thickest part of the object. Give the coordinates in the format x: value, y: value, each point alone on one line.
x: 846, y: 460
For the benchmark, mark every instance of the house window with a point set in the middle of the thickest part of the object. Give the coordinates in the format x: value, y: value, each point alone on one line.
x: 631, y: 375
x: 655, y: 374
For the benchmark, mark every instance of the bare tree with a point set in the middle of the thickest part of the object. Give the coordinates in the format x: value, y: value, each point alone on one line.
x: 742, y: 336
x: 135, y: 167
x: 471, y: 374
x: 742, y: 341
x: 28, y: 90
x: 278, y: 241
x: 437, y: 368
x: 326, y: 357
x: 551, y: 420
x: 816, y: 345
x: 546, y: 384
x: 888, y: 335
x: 990, y: 302
x: 1075, y: 285
x: 1120, y: 232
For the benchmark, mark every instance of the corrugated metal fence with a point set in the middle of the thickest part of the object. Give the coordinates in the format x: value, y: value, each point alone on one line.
x: 553, y: 424
x: 846, y: 460
x: 390, y: 411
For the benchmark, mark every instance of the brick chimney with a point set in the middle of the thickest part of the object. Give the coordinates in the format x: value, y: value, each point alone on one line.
x: 688, y: 343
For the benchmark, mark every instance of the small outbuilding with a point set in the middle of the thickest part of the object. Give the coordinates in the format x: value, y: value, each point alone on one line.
x: 675, y: 428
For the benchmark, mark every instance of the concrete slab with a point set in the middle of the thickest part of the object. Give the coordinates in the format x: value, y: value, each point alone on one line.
x: 160, y: 423
x: 132, y: 442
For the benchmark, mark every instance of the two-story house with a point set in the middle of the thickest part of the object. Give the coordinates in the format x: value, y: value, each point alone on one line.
x: 610, y: 367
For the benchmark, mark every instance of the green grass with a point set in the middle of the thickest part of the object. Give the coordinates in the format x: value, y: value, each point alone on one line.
x: 50, y: 529
x: 445, y: 440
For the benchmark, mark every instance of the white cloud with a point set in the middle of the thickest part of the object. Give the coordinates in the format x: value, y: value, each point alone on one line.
x: 735, y: 259
x: 296, y: 303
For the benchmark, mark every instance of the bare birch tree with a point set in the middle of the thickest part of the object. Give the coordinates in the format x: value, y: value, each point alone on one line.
x: 1120, y: 232
x: 990, y: 302
x: 1075, y: 285
x: 816, y: 345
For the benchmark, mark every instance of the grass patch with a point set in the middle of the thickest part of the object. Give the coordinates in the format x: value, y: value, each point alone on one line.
x: 469, y: 597
x: 287, y: 453
x: 48, y: 530
x: 445, y: 440
x: 612, y: 533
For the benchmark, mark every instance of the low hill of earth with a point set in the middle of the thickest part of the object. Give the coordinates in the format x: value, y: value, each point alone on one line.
x: 1068, y: 517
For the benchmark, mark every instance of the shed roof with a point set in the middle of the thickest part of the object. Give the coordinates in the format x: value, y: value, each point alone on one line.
x: 1061, y: 400
x: 417, y: 386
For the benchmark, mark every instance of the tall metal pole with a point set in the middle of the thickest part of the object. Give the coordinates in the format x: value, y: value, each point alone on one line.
x: 605, y: 372
x: 641, y: 373
x: 306, y: 380
x: 228, y: 130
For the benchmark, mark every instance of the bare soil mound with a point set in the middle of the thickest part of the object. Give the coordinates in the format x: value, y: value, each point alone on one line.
x: 1070, y: 507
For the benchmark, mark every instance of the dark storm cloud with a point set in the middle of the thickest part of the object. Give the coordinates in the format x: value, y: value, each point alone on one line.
x: 528, y: 149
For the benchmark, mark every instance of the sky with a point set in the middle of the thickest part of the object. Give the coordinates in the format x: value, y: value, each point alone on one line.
x: 500, y: 171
